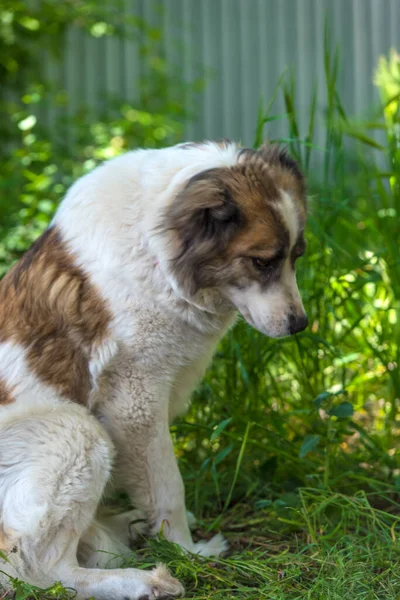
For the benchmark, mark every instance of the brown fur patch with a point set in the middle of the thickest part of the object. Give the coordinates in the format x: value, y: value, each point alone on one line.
x: 282, y: 169
x: 7, y: 540
x: 226, y: 216
x: 6, y: 396
x: 4, y: 542
x: 49, y: 306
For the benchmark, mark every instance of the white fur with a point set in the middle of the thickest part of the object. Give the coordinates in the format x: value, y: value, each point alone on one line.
x: 26, y: 387
x: 56, y: 458
x: 287, y: 208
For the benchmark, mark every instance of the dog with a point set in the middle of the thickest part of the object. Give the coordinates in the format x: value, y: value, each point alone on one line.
x: 107, y: 324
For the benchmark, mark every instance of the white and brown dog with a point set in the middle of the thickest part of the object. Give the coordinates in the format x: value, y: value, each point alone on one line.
x: 106, y: 325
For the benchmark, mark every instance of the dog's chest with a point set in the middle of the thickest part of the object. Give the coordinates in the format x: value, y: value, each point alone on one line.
x: 157, y: 354
x: 165, y: 343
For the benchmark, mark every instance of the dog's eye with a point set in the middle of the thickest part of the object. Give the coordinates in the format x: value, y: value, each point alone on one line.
x: 262, y: 264
x: 299, y: 250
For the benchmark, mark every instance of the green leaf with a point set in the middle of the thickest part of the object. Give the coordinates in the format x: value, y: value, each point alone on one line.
x: 220, y: 428
x: 223, y: 454
x: 342, y: 411
x: 205, y: 464
x: 27, y: 123
x: 309, y: 444
x: 29, y: 23
x: 3, y: 556
x: 263, y: 503
x: 320, y: 399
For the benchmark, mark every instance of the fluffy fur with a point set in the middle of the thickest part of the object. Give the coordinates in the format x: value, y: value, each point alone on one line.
x: 106, y: 326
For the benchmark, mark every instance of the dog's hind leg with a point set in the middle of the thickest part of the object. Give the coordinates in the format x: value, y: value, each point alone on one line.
x: 54, y: 464
x: 101, y: 547
x: 108, y: 540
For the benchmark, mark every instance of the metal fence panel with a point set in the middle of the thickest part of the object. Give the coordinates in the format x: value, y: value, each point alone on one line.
x: 244, y: 46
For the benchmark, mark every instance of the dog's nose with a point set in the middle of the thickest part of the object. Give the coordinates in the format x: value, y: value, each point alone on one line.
x: 297, y: 323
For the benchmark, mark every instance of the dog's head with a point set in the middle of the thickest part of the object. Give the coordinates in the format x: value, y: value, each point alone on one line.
x: 240, y: 230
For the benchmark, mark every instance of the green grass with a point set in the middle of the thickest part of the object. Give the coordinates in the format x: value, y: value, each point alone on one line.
x: 291, y: 447
x: 314, y: 545
x: 284, y: 552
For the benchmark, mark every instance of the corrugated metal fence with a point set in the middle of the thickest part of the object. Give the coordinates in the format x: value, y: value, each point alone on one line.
x: 244, y: 46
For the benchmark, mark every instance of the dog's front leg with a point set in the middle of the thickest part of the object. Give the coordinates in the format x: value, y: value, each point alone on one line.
x: 136, y: 416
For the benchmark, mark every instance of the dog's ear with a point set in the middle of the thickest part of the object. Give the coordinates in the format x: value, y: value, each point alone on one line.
x: 204, y: 213
x: 201, y: 221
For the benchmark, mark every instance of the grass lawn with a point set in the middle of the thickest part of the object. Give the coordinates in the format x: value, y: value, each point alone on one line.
x: 311, y: 545
x: 337, y: 548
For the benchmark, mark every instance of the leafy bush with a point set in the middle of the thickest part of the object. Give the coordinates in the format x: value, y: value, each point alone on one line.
x: 38, y: 162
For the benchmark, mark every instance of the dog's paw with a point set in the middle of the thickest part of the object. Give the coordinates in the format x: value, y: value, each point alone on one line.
x: 163, y: 585
x: 191, y: 519
x: 131, y: 584
x: 157, y: 584
x: 214, y: 547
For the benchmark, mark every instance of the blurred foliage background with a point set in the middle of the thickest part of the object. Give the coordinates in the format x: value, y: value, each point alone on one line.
x: 297, y: 430
x: 39, y: 162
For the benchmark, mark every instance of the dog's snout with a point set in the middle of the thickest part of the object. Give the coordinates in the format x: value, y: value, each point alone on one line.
x: 297, y: 323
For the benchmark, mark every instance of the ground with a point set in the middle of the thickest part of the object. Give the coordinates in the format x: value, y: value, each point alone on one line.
x: 326, y: 547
